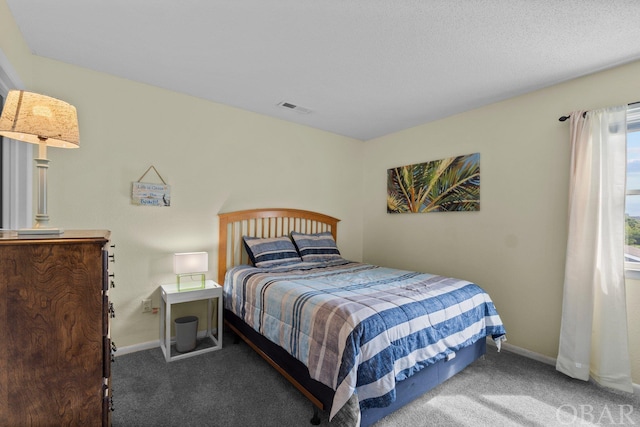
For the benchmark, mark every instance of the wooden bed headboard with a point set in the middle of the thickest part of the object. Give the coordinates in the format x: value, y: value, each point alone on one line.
x: 264, y: 223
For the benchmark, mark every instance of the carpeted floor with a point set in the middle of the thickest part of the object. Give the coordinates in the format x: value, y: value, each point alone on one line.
x: 235, y: 387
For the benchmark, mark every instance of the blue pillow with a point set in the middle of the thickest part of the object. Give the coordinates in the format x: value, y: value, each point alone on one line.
x: 270, y: 251
x: 316, y: 247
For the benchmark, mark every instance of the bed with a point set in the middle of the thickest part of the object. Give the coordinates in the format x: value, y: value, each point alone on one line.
x: 359, y: 341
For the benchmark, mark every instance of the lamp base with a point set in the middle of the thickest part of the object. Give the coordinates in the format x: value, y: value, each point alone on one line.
x: 190, y: 285
x: 40, y: 231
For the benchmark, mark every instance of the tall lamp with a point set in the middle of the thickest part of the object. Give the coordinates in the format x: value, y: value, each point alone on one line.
x: 46, y: 121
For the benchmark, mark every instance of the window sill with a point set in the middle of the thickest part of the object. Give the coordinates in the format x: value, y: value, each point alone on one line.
x: 631, y: 274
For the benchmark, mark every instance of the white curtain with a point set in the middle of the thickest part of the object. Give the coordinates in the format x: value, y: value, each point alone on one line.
x: 593, y: 335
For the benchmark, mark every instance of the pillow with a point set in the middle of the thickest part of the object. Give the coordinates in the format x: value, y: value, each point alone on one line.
x: 316, y: 247
x: 270, y: 251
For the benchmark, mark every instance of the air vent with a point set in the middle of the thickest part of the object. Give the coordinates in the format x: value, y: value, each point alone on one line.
x: 294, y: 107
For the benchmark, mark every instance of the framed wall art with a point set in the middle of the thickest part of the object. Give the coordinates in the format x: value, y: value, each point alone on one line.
x: 446, y: 185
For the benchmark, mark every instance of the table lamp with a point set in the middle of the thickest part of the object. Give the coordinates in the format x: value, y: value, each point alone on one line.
x: 189, y: 264
x: 42, y: 120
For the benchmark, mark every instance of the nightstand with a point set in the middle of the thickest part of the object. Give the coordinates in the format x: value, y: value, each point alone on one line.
x: 170, y: 296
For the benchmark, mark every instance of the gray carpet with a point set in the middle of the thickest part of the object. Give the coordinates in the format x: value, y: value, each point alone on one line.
x: 235, y: 387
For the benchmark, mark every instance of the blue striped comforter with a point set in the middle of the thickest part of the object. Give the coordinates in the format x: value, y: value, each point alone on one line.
x: 359, y: 328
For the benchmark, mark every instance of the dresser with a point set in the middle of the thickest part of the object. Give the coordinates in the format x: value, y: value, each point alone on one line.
x: 55, y: 349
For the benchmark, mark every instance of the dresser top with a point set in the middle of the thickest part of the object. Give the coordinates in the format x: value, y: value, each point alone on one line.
x: 11, y: 236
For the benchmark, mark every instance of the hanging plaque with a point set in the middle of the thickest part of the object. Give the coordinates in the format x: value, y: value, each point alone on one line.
x: 151, y: 194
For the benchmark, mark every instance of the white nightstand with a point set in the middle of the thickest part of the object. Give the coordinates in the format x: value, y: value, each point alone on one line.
x: 171, y: 295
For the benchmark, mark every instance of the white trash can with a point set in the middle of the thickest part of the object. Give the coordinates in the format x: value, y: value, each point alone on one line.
x: 186, y: 333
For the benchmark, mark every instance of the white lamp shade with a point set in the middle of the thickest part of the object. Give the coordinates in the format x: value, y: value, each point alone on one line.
x: 190, y: 262
x: 35, y: 118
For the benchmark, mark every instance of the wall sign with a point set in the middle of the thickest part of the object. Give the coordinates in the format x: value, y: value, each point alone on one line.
x: 151, y: 194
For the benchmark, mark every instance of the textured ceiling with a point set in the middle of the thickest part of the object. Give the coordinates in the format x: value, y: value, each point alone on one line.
x: 364, y: 68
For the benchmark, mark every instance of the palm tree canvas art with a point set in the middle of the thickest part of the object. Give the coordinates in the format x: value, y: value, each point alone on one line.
x: 451, y: 184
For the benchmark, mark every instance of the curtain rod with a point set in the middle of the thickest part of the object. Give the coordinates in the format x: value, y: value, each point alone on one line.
x: 563, y: 118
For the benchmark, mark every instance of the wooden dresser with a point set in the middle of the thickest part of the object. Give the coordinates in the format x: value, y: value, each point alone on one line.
x: 55, y: 350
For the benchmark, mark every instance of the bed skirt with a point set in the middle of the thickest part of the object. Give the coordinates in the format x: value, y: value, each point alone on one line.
x: 406, y: 390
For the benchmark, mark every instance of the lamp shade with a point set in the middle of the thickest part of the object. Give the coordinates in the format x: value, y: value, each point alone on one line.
x: 35, y: 118
x: 190, y: 262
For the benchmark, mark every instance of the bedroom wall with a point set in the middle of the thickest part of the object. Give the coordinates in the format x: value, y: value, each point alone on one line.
x: 514, y: 246
x: 216, y: 159
x: 13, y: 44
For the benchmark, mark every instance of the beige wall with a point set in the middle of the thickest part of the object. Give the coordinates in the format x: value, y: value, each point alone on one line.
x: 515, y: 245
x: 216, y: 159
x: 12, y: 43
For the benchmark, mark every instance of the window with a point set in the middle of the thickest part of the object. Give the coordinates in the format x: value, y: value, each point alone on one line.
x: 16, y: 165
x: 632, y: 205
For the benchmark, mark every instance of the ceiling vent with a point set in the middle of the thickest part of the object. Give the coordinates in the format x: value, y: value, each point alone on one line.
x: 294, y: 107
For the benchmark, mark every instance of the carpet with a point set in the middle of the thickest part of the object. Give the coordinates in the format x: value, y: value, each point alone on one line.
x: 236, y: 387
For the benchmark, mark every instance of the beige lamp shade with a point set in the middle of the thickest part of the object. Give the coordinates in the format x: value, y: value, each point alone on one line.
x: 35, y: 118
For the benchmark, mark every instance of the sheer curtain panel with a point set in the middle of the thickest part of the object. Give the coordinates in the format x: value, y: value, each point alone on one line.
x: 593, y: 335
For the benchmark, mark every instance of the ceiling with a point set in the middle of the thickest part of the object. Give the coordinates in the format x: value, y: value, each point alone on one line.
x: 358, y: 68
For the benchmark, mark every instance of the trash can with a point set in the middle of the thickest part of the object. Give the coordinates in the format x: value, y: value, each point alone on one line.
x: 186, y: 332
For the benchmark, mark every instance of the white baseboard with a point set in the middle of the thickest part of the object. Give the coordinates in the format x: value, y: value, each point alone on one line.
x: 152, y: 344
x: 137, y: 347
x: 542, y: 358
x: 526, y: 353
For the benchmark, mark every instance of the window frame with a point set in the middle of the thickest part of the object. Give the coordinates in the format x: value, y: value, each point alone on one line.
x: 632, y: 269
x: 17, y: 165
